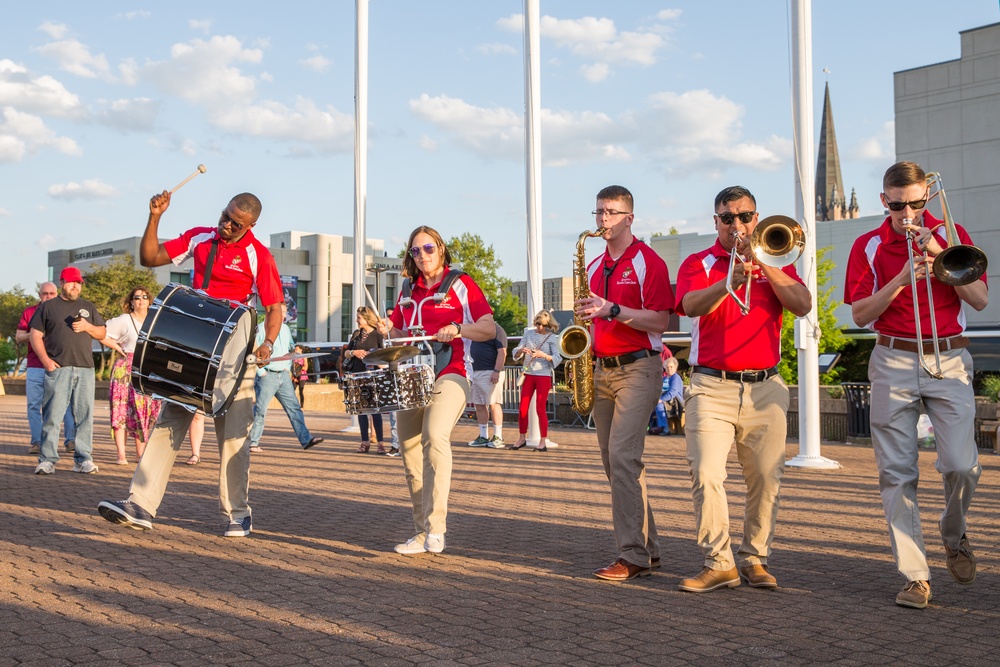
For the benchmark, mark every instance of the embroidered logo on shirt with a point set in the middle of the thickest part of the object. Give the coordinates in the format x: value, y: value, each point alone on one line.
x: 234, y: 264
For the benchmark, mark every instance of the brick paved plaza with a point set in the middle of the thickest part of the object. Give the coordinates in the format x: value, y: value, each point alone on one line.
x: 318, y: 582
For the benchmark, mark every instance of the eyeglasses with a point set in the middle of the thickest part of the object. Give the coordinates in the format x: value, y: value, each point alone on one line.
x: 729, y: 218
x: 226, y: 220
x: 610, y: 212
x: 141, y: 297
x: 916, y: 204
x: 429, y: 249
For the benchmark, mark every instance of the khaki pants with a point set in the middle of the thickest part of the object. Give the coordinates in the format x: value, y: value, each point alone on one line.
x: 231, y: 429
x: 719, y: 413
x: 623, y: 400
x: 425, y: 444
x: 898, y: 386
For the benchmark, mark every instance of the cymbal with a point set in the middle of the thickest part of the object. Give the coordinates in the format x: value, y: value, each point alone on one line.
x: 388, y: 355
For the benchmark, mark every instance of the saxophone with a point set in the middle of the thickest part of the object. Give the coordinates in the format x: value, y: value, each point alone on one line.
x: 574, y: 341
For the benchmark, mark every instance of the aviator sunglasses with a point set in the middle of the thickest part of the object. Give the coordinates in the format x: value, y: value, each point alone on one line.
x: 428, y: 249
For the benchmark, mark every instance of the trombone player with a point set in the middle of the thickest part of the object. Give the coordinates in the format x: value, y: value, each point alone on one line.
x: 891, y: 291
x: 736, y: 394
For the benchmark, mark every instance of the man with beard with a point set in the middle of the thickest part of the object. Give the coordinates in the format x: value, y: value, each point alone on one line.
x: 61, y: 333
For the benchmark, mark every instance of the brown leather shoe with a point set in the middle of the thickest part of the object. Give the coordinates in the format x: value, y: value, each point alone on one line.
x: 962, y: 562
x: 622, y: 570
x: 757, y: 576
x: 709, y: 579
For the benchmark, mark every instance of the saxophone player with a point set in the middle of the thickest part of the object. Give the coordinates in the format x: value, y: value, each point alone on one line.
x: 628, y: 308
x: 735, y: 393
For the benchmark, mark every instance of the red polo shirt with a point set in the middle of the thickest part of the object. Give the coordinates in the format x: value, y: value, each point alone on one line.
x: 25, y: 325
x: 879, y: 256
x: 637, y: 279
x: 726, y: 339
x: 241, y: 269
x: 465, y: 303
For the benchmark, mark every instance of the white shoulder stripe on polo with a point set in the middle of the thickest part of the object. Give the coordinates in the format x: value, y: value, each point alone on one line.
x: 189, y: 251
x: 871, y: 249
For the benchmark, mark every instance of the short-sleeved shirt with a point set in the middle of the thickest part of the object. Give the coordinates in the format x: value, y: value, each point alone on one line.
x: 485, y: 353
x: 282, y: 344
x: 637, y: 279
x: 465, y: 303
x: 879, y: 256
x: 24, y: 325
x: 124, y: 330
x: 66, y: 347
x: 725, y: 338
x: 240, y: 270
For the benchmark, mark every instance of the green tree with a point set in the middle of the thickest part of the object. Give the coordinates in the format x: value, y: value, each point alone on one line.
x: 108, y: 285
x: 12, y: 305
x: 832, y: 338
x: 481, y: 263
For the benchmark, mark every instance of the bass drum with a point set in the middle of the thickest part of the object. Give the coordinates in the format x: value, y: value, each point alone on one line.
x: 192, y: 349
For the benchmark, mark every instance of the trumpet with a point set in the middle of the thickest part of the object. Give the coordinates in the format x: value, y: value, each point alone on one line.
x: 776, y: 241
x: 958, y: 264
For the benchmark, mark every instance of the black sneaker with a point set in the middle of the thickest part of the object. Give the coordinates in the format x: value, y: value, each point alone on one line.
x: 239, y: 527
x: 126, y: 513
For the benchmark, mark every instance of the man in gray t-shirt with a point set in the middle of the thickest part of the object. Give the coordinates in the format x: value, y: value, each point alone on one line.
x: 61, y: 333
x: 486, y: 385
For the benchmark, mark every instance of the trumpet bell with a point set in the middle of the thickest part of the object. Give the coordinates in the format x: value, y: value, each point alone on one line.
x: 777, y: 241
x: 960, y: 265
x: 574, y: 341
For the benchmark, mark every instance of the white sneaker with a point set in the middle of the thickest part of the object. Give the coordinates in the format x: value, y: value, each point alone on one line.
x: 45, y: 468
x: 412, y: 546
x: 434, y: 543
x: 87, y: 467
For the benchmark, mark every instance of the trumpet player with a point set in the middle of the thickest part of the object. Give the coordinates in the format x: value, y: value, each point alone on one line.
x: 628, y: 309
x: 736, y: 394
x: 890, y: 291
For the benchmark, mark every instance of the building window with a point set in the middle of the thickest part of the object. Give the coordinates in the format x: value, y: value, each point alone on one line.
x: 181, y: 277
x: 302, y: 301
x: 346, y: 311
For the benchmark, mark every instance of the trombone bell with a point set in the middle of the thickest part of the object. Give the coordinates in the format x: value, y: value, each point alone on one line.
x: 777, y: 241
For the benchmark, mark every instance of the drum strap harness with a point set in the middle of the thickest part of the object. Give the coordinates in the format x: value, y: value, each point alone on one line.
x: 208, y: 265
x: 442, y: 351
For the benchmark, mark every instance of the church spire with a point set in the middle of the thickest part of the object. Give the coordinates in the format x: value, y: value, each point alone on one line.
x: 829, y: 183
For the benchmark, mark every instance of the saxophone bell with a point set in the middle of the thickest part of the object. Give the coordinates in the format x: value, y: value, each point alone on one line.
x: 574, y: 342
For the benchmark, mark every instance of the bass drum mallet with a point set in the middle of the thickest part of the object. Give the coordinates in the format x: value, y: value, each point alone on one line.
x: 201, y: 170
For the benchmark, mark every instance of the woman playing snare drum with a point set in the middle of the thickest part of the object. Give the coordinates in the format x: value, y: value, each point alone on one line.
x: 425, y: 433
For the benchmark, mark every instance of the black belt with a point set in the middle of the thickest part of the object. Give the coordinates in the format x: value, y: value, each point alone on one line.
x: 737, y: 376
x: 625, y: 359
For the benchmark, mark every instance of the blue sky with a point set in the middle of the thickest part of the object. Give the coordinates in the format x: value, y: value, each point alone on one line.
x: 104, y: 104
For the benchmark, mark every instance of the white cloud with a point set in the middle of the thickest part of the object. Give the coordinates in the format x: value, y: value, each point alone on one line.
x: 316, y: 63
x: 427, y: 143
x: 46, y: 242
x: 303, y: 122
x: 128, y: 115
x: 23, y: 133
x: 132, y: 16
x: 74, y: 57
x: 496, y: 49
x: 201, y: 25
x: 54, y: 30
x: 877, y: 148
x: 36, y: 94
x: 89, y: 189
x: 4, y: 213
x: 597, y: 41
x: 669, y: 14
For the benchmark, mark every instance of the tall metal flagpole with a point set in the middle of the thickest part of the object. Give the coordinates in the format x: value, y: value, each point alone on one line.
x: 807, y: 331
x: 533, y: 176
x: 360, y: 157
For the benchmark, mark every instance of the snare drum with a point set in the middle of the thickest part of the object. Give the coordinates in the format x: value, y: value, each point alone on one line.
x: 192, y: 349
x: 388, y: 390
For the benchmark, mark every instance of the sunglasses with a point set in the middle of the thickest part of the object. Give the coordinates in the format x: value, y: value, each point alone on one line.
x: 428, y: 248
x: 730, y: 218
x: 226, y: 220
x: 897, y: 206
x: 141, y: 297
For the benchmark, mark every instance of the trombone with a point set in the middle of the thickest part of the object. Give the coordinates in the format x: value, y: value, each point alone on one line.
x: 958, y: 264
x: 776, y: 241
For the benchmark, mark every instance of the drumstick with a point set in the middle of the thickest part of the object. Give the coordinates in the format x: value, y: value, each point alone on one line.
x: 254, y: 361
x: 201, y: 170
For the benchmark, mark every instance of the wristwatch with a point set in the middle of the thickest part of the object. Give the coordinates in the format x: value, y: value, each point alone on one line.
x: 615, y: 311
